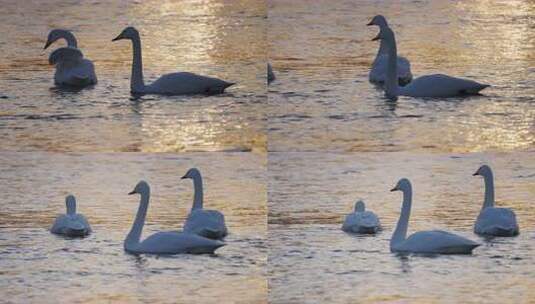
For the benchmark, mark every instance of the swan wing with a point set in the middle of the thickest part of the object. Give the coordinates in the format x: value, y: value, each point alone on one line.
x: 71, y: 225
x: 379, y: 68
x: 497, y: 222
x: 207, y: 223
x: 65, y: 54
x: 437, y: 241
x: 187, y: 83
x: 172, y: 242
x: 439, y: 85
x: 361, y: 222
x: 80, y: 73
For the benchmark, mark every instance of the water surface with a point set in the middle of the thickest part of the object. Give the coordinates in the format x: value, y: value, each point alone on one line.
x: 322, y: 100
x: 38, y: 267
x: 311, y: 260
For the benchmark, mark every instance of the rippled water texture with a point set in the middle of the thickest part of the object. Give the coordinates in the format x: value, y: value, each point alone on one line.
x: 39, y: 267
x: 312, y: 261
x: 224, y: 39
x: 322, y: 100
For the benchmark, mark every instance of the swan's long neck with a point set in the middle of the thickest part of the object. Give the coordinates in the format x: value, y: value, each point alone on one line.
x: 383, y: 48
x: 71, y: 40
x: 489, y: 190
x: 134, y: 235
x: 136, y: 83
x: 71, y: 206
x: 391, y: 81
x: 403, y: 223
x: 198, y: 196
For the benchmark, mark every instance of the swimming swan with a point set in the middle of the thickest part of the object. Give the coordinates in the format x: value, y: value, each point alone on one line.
x: 379, y: 66
x: 169, y: 84
x: 427, y: 242
x: 168, y: 242
x: 71, y: 69
x: 436, y: 85
x: 207, y: 223
x: 71, y: 224
x: 361, y: 221
x: 493, y: 220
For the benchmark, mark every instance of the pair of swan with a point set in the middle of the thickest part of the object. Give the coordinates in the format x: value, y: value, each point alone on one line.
x: 361, y: 221
x: 436, y: 85
x: 169, y: 84
x: 379, y: 65
x: 202, y: 230
x: 72, y: 69
x: 71, y: 224
x: 165, y: 242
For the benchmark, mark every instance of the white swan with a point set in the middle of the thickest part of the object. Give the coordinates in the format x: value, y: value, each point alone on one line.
x: 427, y: 242
x: 493, y: 220
x: 71, y: 67
x: 207, y: 223
x: 436, y: 85
x: 361, y: 221
x: 379, y: 66
x: 270, y: 75
x: 168, y: 242
x: 71, y: 224
x: 169, y: 84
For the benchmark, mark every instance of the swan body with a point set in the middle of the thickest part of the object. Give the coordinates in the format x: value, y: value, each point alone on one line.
x: 72, y: 69
x: 270, y: 74
x: 206, y: 223
x: 380, y: 64
x: 494, y: 221
x: 71, y: 224
x: 426, y: 242
x: 361, y: 221
x: 168, y: 242
x: 182, y: 83
x: 436, y: 85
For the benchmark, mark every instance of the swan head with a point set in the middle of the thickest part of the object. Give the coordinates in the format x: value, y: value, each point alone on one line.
x: 54, y: 35
x: 141, y: 188
x: 378, y: 20
x: 385, y: 34
x: 483, y: 171
x: 192, y: 173
x: 359, y: 206
x: 70, y: 201
x: 128, y: 33
x: 402, y: 185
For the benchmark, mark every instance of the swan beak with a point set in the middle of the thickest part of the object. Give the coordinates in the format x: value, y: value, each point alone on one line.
x: 132, y: 192
x: 118, y: 37
x: 394, y: 189
x: 47, y: 44
x: 475, y: 174
x: 184, y: 177
x: 370, y: 23
x: 376, y: 38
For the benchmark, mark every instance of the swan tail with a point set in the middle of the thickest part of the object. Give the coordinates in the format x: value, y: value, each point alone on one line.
x: 80, y: 80
x: 213, y: 233
x: 502, y: 231
x: 475, y: 89
x: 207, y: 249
